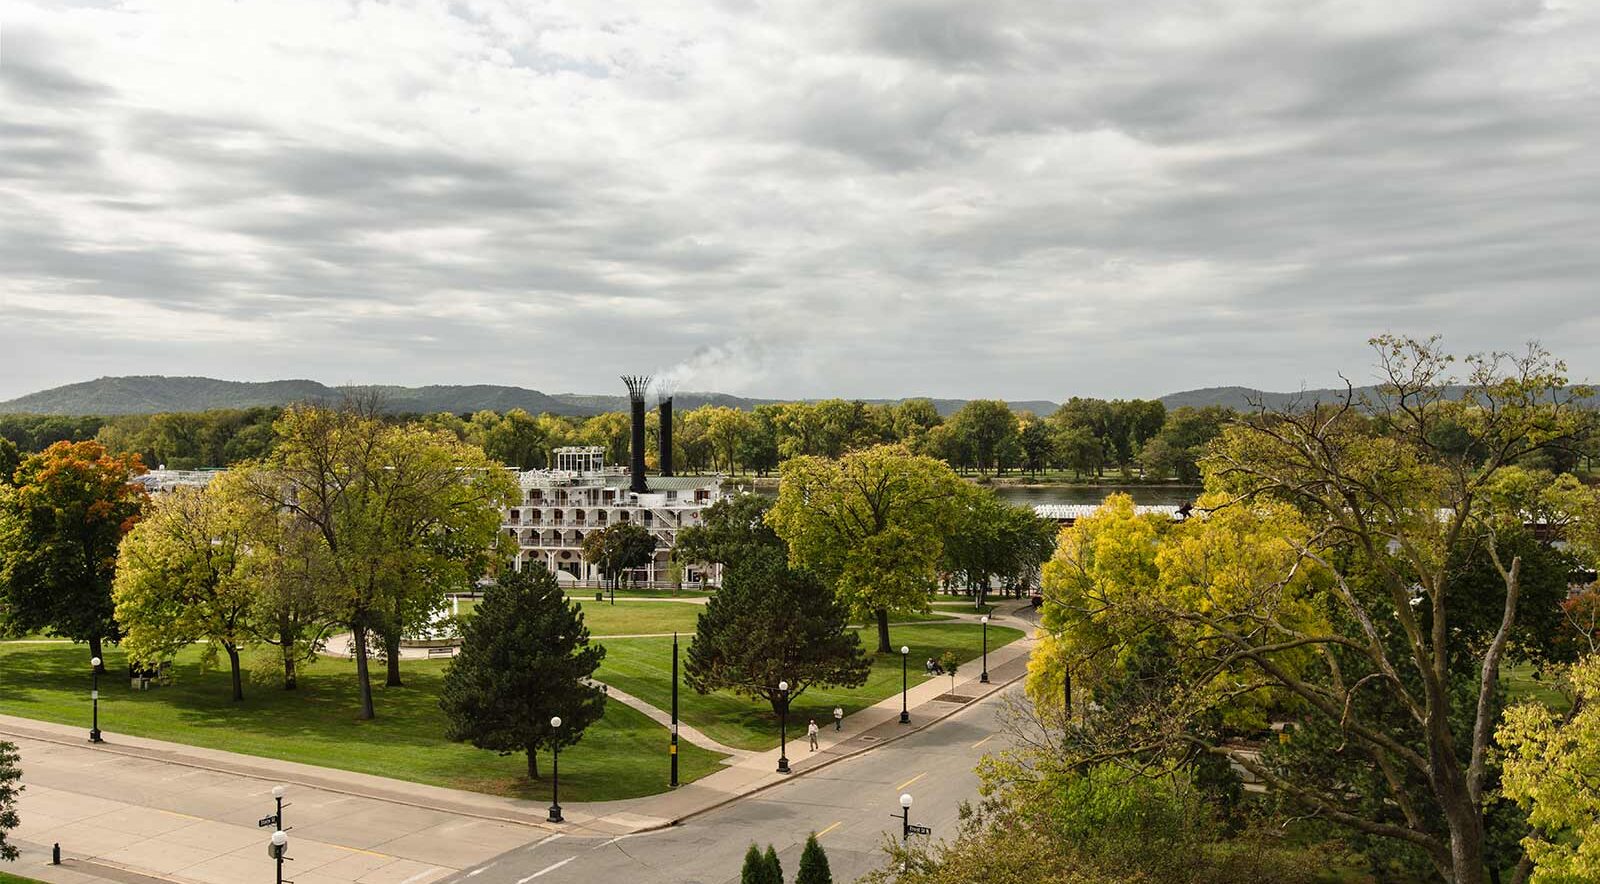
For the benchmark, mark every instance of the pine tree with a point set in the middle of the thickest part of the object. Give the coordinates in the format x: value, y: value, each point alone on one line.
x: 9, y: 775
x: 755, y: 868
x: 813, y: 864
x: 774, y: 868
x: 525, y: 657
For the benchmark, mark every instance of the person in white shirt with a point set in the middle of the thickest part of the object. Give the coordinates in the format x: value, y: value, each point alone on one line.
x: 811, y: 732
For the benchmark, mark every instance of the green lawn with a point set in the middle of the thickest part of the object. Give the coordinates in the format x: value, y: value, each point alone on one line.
x: 630, y: 617
x: 1521, y: 683
x: 915, y: 617
x: 961, y: 606
x: 13, y: 879
x: 621, y: 756
x: 643, y: 668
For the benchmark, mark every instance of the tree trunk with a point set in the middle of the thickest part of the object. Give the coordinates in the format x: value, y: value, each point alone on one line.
x: 391, y: 648
x: 533, y: 764
x: 363, y: 675
x: 286, y: 644
x: 883, y: 630
x: 233, y: 661
x: 97, y: 649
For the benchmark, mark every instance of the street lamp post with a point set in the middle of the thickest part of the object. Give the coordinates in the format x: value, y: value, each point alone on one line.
x: 984, y: 677
x: 905, y: 715
x: 94, y: 697
x: 783, y: 727
x: 278, y: 849
x: 555, y: 773
x: 905, y: 816
x: 277, y: 796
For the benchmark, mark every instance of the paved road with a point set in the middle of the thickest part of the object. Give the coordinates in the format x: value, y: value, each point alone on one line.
x: 848, y: 804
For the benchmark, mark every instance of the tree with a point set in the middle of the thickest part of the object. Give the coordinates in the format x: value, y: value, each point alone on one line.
x: 10, y: 459
x: 769, y: 623
x: 774, y: 868
x: 10, y: 776
x: 1037, y: 443
x: 1549, y: 764
x: 755, y: 870
x: 617, y: 549
x: 871, y: 525
x: 990, y: 429
x: 525, y: 657
x: 181, y: 575
x: 813, y: 864
x: 994, y: 539
x: 731, y: 530
x: 517, y: 440
x: 912, y: 420
x: 403, y: 514
x: 287, y: 566
x: 1177, y: 449
x: 59, y: 531
x: 725, y: 430
x: 1323, y: 580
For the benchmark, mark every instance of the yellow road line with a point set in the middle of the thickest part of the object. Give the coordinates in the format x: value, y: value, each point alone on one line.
x: 830, y: 828
x: 912, y: 780
x: 982, y: 741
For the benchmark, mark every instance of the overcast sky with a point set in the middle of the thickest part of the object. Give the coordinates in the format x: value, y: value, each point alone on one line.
x: 1024, y: 199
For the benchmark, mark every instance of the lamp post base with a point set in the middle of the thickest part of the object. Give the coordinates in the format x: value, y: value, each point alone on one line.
x: 94, y: 736
x: 984, y: 678
x: 905, y: 717
x: 555, y: 813
x: 783, y: 764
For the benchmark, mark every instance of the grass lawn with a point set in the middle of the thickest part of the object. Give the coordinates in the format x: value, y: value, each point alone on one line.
x: 13, y: 879
x: 1521, y: 684
x: 914, y: 617
x: 961, y: 605
x: 643, y: 668
x: 630, y: 617
x: 621, y: 756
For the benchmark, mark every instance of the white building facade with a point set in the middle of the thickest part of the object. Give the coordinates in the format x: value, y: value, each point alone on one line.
x: 561, y: 506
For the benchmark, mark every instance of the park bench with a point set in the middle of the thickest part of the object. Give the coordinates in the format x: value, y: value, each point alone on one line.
x: 441, y: 652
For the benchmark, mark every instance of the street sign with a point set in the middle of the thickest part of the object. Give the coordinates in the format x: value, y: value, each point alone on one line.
x: 266, y: 821
x: 919, y: 830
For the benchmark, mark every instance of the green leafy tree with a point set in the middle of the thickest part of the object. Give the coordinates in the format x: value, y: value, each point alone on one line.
x: 287, y: 565
x: 181, y: 575
x: 769, y: 623
x: 525, y: 657
x: 60, y: 526
x: 990, y: 431
x: 403, y: 514
x: 731, y: 530
x: 10, y: 459
x: 813, y: 864
x: 871, y: 525
x: 1177, y: 449
x: 1037, y: 443
x: 516, y: 439
x: 617, y: 549
x: 10, y: 778
x: 1326, y: 579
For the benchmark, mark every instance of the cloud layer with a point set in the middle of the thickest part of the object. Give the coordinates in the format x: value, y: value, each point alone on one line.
x: 1028, y: 199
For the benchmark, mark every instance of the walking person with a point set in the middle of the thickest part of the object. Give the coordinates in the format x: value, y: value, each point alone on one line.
x: 811, y: 733
x: 838, y: 718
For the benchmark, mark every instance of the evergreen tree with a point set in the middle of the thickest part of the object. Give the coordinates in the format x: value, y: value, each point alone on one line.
x: 525, y: 657
x: 9, y: 775
x: 755, y: 868
x: 769, y: 623
x: 813, y: 864
x: 774, y: 868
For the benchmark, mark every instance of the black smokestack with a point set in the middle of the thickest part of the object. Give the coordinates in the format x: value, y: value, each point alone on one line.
x: 637, y: 385
x: 666, y: 436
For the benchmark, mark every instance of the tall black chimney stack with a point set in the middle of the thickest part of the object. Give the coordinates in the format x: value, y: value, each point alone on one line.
x: 665, y: 439
x: 637, y: 385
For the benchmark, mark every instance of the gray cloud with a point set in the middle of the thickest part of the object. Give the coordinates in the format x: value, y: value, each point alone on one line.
x: 1017, y: 198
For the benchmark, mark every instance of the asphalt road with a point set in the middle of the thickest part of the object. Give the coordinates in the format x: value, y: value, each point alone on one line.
x: 848, y: 804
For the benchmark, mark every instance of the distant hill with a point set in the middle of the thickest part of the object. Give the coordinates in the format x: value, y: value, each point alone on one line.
x: 1244, y: 398
x: 148, y: 394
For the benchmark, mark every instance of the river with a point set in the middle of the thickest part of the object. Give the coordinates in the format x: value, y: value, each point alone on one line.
x: 1144, y: 495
